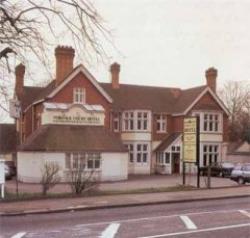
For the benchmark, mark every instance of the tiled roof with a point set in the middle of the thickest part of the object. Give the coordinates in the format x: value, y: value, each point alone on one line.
x: 73, y: 138
x: 157, y: 99
x: 167, y: 141
x: 8, y: 138
x: 33, y: 94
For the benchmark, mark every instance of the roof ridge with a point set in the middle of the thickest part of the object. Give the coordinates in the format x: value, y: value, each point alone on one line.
x: 138, y: 85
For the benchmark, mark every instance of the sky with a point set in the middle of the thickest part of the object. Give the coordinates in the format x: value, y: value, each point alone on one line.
x: 172, y: 42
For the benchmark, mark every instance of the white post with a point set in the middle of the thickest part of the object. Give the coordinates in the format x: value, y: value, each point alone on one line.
x: 2, y: 191
x: 2, y: 177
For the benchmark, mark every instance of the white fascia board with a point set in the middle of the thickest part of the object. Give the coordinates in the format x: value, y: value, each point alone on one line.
x: 217, y: 99
x: 82, y: 69
x: 34, y: 103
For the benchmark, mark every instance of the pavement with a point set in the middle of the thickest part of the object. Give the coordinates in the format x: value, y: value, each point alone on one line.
x: 115, y: 201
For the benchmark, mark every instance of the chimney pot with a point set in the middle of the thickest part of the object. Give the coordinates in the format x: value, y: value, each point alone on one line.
x: 19, y: 72
x: 64, y: 62
x: 211, y: 75
x: 115, y: 71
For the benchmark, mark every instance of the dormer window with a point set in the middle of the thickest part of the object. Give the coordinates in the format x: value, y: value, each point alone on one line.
x: 79, y: 95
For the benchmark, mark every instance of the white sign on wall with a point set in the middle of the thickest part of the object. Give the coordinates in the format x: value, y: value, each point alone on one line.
x: 2, y: 175
x: 15, y: 108
x: 73, y: 115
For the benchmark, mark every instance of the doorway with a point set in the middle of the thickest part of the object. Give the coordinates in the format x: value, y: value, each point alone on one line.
x: 175, y: 163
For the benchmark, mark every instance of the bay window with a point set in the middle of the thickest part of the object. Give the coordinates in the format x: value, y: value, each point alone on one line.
x: 136, y: 120
x: 210, y: 121
x: 138, y: 152
x: 210, y: 154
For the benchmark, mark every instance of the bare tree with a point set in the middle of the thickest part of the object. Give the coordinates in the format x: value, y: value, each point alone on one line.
x: 30, y: 27
x: 50, y: 176
x: 81, y: 180
x: 236, y: 96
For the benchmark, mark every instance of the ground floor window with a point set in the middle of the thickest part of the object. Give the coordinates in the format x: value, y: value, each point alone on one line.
x: 210, y: 154
x: 163, y: 158
x: 87, y: 161
x: 138, y: 152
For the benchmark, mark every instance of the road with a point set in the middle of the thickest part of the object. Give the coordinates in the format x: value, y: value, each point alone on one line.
x: 228, y: 218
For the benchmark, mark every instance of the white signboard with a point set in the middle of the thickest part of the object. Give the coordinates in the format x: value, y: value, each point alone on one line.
x: 190, y: 140
x: 15, y: 108
x: 75, y: 115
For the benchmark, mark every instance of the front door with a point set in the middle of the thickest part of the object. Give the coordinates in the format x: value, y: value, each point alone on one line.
x: 176, y: 163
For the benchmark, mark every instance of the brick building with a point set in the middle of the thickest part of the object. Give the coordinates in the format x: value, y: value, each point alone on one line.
x: 115, y: 128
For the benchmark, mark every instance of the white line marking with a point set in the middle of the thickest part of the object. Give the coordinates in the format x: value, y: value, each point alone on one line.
x: 198, y: 231
x: 110, y: 231
x: 19, y: 235
x: 188, y: 223
x: 245, y: 213
x: 159, y: 217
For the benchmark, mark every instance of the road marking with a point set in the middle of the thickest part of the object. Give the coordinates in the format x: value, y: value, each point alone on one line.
x: 245, y: 213
x: 158, y: 217
x: 198, y: 231
x: 110, y: 231
x: 19, y: 235
x: 188, y: 223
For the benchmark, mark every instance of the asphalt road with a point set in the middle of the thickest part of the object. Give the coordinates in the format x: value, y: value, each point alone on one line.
x: 228, y: 218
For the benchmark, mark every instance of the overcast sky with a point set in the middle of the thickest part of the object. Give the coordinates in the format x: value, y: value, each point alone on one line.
x: 172, y: 42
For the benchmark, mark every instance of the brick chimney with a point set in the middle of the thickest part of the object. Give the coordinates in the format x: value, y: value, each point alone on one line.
x: 19, y: 71
x: 211, y: 75
x: 64, y: 62
x: 115, y: 70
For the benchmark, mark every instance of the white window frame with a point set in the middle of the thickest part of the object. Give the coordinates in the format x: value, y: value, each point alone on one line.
x: 210, y: 153
x: 140, y: 149
x: 116, y: 121
x: 161, y: 120
x: 79, y: 95
x: 75, y: 160
x: 136, y: 120
x: 205, y: 118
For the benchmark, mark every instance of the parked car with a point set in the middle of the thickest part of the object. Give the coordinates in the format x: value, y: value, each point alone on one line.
x: 241, y: 173
x: 223, y: 169
x: 7, y: 172
x: 226, y: 169
x: 12, y: 167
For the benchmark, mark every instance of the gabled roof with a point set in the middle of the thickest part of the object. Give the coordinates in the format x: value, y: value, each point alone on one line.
x: 8, y: 138
x: 54, y: 138
x: 239, y: 148
x: 168, y: 141
x: 128, y: 97
x: 77, y: 70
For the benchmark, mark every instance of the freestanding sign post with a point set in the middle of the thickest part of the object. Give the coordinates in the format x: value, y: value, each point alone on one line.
x: 2, y: 177
x: 191, y: 145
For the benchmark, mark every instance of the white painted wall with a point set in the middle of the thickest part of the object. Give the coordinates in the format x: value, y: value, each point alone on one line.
x: 30, y: 165
x: 211, y: 137
x: 136, y: 136
x: 114, y: 166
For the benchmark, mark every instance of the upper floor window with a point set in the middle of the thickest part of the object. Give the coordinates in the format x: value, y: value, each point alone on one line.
x: 136, y: 120
x: 211, y: 122
x: 116, y: 124
x: 79, y: 95
x: 161, y: 123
